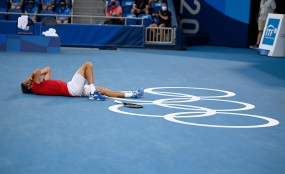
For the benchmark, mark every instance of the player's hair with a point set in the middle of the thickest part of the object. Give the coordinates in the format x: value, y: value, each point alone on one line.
x: 26, y: 89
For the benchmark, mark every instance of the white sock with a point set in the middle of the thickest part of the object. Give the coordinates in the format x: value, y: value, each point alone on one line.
x: 92, y: 88
x: 128, y: 94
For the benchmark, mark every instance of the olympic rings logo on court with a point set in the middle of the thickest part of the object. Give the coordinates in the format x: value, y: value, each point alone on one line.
x: 181, y: 101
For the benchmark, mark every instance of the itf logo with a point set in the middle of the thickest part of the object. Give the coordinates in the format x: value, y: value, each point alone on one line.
x: 270, y: 31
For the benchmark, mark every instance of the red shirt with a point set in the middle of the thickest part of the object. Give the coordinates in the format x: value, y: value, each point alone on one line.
x: 112, y: 10
x: 51, y: 87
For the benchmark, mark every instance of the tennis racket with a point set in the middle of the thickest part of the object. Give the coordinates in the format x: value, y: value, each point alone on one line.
x: 129, y: 105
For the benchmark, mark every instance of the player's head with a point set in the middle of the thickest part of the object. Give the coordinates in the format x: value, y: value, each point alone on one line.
x: 26, y: 89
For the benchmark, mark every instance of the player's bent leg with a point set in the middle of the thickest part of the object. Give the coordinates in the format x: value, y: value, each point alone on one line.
x: 86, y: 71
x: 76, y: 85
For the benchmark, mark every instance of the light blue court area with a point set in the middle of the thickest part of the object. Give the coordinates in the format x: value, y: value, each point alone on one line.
x: 206, y: 110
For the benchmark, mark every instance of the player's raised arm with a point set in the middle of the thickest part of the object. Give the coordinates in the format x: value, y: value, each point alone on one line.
x: 36, y: 76
x: 46, y: 72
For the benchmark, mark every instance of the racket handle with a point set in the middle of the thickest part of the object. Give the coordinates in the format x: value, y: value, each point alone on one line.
x: 117, y: 101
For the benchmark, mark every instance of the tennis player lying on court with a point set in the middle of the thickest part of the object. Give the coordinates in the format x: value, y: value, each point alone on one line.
x: 76, y: 87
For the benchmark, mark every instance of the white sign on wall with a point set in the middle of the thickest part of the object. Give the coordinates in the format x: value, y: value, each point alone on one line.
x: 273, y: 37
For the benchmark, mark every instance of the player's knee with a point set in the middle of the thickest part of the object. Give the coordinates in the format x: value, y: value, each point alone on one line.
x: 89, y: 64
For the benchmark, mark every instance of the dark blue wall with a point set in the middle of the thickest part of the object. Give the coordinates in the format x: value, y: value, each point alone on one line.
x: 225, y: 21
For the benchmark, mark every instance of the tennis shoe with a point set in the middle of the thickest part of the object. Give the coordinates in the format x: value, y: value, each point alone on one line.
x: 141, y: 91
x: 138, y: 94
x: 96, y: 96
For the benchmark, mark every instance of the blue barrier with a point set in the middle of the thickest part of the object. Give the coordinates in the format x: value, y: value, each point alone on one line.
x: 29, y: 43
x: 93, y: 35
x: 87, y: 35
x: 106, y: 35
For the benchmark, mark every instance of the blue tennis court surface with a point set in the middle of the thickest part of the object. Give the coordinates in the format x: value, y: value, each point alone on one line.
x: 206, y: 110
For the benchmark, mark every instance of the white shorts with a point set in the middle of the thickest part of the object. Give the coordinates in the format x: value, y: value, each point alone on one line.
x: 76, y: 85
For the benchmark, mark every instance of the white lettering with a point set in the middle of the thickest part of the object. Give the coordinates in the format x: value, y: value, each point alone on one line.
x: 190, y: 21
x: 269, y: 32
x: 194, y: 12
